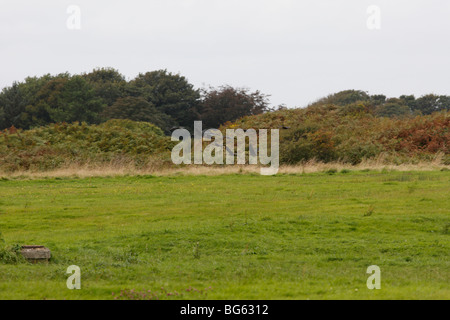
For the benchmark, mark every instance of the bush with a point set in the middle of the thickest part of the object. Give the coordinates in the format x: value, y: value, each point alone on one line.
x: 350, y: 134
x: 54, y: 145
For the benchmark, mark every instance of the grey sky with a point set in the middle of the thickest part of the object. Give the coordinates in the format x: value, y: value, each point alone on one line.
x: 297, y: 51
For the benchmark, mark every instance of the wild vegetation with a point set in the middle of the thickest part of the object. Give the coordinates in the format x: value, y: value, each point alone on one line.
x: 159, y: 97
x: 325, y: 133
x: 59, y: 145
x: 166, y: 100
x: 100, y: 118
x: 309, y: 232
x: 352, y: 133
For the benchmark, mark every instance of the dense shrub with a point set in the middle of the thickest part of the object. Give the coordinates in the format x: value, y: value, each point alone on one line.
x: 327, y: 132
x: 352, y: 133
x: 52, y: 146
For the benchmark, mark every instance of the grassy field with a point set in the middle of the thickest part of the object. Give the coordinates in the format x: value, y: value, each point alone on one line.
x: 240, y: 236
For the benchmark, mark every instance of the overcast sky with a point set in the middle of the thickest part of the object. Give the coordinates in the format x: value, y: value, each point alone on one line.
x: 296, y: 51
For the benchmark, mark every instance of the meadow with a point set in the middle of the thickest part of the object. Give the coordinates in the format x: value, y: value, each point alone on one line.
x: 230, y: 236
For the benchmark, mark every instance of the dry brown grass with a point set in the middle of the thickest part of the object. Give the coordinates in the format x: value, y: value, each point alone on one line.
x: 123, y: 169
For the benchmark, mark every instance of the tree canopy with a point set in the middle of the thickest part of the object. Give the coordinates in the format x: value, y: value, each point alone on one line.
x: 166, y: 100
x: 223, y: 104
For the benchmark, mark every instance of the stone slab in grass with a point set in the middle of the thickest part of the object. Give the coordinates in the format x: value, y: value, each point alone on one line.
x: 35, y: 253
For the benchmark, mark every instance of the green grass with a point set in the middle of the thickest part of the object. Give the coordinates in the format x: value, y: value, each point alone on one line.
x: 245, y: 236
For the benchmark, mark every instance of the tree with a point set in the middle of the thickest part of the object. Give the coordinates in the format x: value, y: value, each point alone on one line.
x: 12, y: 104
x: 170, y: 93
x: 48, y: 97
x: 378, y: 99
x: 226, y: 103
x: 343, y: 98
x: 138, y: 109
x: 391, y: 110
x: 409, y: 100
x: 444, y: 103
x: 430, y: 103
x: 70, y: 99
x: 108, y: 83
x: 35, y: 114
x: 2, y: 118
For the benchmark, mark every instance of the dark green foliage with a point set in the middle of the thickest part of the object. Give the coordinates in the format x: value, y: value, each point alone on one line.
x: 170, y: 93
x: 431, y: 103
x: 48, y: 99
x: 76, y: 102
x: 26, y: 104
x: 343, y: 98
x: 159, y: 97
x: 108, y: 84
x: 380, y: 106
x: 392, y: 109
x: 12, y: 104
x: 139, y: 109
x: 378, y: 99
x: 223, y: 104
x: 162, y: 98
x: 167, y: 100
x: 2, y: 118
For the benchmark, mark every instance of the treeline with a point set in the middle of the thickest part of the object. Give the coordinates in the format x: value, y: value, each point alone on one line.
x: 159, y: 97
x: 381, y: 106
x: 167, y: 100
